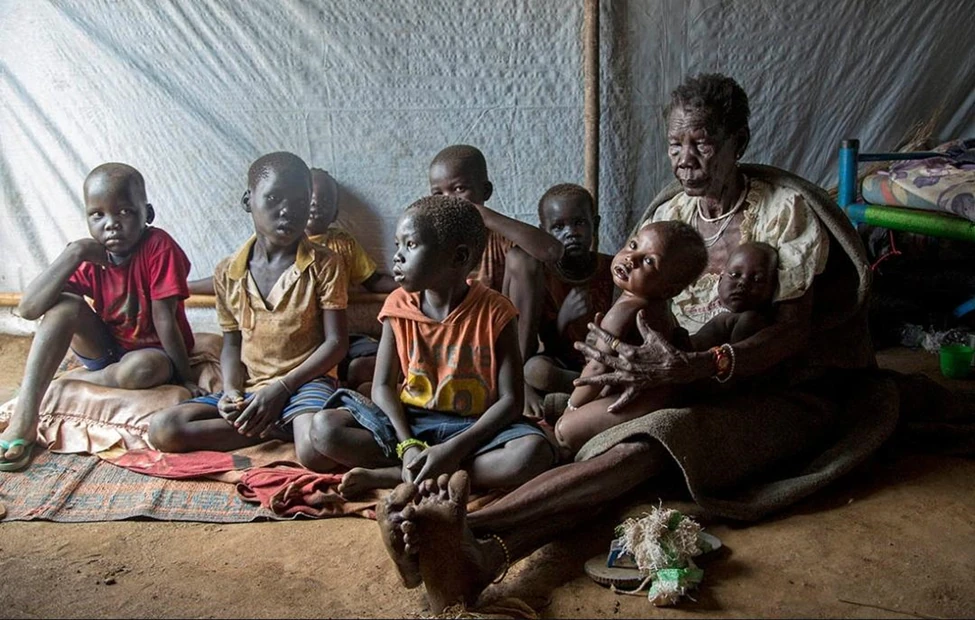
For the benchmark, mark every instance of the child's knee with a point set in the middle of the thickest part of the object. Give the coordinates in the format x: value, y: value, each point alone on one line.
x: 143, y: 372
x: 534, y: 452
x: 361, y: 370
x: 308, y: 455
x: 324, y: 432
x: 166, y: 431
x: 538, y: 373
x: 567, y: 435
x: 65, y: 310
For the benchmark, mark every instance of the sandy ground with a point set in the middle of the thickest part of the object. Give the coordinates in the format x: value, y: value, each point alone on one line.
x: 894, y: 539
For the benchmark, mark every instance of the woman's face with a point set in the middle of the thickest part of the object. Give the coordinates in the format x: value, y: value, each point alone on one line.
x: 703, y: 159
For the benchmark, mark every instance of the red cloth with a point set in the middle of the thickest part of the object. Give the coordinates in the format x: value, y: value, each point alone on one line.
x: 178, y: 466
x: 292, y: 491
x: 123, y: 294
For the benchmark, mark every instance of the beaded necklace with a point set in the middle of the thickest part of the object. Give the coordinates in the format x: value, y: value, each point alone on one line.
x: 712, y: 239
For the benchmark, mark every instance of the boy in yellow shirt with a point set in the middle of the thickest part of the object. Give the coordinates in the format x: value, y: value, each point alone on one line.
x: 281, y: 304
x: 357, y: 367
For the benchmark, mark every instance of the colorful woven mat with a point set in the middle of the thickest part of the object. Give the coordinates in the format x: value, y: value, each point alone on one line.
x: 77, y: 488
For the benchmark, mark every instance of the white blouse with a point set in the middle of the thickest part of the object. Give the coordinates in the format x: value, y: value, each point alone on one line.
x: 775, y: 215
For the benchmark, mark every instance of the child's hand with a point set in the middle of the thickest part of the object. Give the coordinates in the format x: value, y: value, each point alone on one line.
x: 90, y: 251
x: 432, y: 462
x: 575, y: 306
x: 408, y: 457
x: 195, y: 390
x: 262, y: 411
x: 230, y: 405
x: 534, y: 405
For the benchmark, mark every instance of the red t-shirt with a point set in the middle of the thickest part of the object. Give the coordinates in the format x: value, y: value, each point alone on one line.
x: 123, y: 294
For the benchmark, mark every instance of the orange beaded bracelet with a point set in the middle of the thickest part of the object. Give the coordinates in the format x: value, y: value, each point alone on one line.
x: 724, y: 362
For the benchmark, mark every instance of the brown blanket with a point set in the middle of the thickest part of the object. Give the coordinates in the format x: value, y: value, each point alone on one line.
x: 750, y: 452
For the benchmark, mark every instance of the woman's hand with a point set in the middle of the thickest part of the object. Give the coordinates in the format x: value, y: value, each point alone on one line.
x: 636, y: 368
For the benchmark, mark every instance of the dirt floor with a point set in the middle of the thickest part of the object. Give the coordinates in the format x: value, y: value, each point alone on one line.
x: 894, y: 539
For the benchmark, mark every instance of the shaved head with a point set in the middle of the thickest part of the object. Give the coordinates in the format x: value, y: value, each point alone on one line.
x: 284, y: 163
x: 463, y: 157
x: 113, y: 178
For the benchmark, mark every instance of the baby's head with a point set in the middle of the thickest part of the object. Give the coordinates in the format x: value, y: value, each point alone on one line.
x: 750, y: 278
x: 116, y: 208
x: 324, y: 202
x: 565, y: 211
x: 460, y: 170
x: 439, y: 240
x: 278, y: 197
x: 661, y: 260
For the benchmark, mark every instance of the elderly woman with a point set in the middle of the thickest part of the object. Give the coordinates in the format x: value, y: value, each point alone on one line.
x: 807, y: 417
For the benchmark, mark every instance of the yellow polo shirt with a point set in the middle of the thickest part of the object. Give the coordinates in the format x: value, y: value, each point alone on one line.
x: 282, y: 331
x: 358, y: 265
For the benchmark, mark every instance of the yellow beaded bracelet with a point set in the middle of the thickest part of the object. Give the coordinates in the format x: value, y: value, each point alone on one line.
x: 403, y: 446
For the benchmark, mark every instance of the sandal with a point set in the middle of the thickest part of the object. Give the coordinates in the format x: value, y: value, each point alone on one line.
x: 21, y: 461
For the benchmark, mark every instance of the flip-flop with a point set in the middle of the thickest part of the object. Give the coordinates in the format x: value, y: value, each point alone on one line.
x: 630, y: 578
x: 20, y: 462
x: 620, y: 578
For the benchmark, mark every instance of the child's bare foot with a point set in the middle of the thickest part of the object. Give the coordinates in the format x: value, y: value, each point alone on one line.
x: 359, y: 480
x: 455, y: 566
x: 389, y: 518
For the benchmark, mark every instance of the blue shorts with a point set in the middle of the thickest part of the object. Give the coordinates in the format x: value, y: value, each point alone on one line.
x: 432, y: 427
x: 309, y: 398
x: 114, y: 354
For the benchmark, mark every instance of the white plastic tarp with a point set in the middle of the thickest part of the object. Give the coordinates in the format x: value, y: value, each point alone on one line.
x: 192, y: 91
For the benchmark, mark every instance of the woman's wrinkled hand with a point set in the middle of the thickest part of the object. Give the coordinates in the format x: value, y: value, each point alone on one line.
x: 633, y: 369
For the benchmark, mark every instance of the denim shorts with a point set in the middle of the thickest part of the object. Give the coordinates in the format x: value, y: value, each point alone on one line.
x: 307, y: 399
x: 432, y: 427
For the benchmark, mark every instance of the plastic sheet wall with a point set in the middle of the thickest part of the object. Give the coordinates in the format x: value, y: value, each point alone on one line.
x: 191, y: 91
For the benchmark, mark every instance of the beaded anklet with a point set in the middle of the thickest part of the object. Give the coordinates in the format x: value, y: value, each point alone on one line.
x: 507, y: 558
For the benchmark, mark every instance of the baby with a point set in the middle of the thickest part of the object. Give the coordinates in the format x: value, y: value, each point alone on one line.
x: 662, y: 259
x: 746, y: 289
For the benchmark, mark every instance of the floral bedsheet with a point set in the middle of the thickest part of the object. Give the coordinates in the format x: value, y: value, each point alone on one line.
x: 944, y: 183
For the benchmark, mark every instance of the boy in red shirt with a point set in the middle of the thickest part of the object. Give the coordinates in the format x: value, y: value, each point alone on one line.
x: 136, y: 336
x: 573, y: 289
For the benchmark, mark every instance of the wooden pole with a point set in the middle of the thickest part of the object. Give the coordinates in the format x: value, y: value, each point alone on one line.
x: 590, y: 45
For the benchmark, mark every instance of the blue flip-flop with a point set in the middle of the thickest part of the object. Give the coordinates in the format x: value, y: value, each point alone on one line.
x: 21, y: 462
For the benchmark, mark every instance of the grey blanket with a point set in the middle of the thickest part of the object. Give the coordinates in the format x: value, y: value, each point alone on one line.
x: 747, y: 453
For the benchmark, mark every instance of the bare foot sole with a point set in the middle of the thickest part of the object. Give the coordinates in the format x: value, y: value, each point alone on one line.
x: 360, y: 480
x: 389, y: 519
x: 454, y: 565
